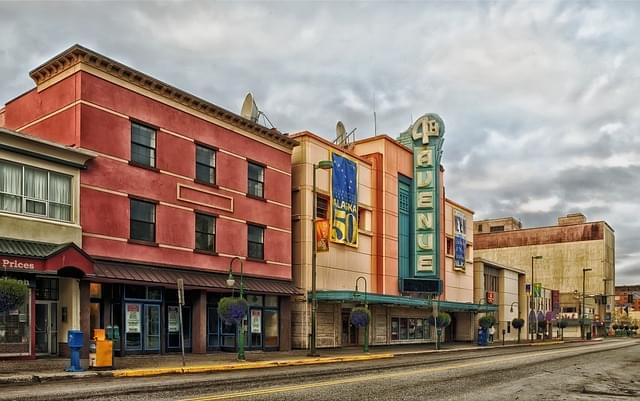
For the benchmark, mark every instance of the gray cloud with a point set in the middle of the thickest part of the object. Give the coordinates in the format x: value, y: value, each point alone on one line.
x: 539, y: 99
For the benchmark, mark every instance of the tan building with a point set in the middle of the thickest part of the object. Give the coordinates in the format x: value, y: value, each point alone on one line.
x: 556, y: 256
x: 40, y: 239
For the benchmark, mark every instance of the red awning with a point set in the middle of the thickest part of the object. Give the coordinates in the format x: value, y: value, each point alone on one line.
x: 41, y: 257
x: 142, y: 274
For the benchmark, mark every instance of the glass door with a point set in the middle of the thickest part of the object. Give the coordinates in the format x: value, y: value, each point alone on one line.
x: 46, y: 328
x: 213, y: 328
x: 152, y: 327
x: 173, y: 327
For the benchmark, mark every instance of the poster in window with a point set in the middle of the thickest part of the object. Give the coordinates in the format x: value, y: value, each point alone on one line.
x: 173, y: 321
x: 256, y: 321
x: 344, y: 201
x: 322, y: 235
x: 133, y: 318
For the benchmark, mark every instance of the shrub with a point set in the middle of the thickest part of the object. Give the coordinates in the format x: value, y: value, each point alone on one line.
x: 360, y: 316
x: 232, y: 309
x: 12, y: 294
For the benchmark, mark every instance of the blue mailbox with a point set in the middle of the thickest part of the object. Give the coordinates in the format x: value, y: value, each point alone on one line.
x: 75, y: 341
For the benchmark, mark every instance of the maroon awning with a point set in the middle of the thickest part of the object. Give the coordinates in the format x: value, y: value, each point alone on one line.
x: 194, y: 279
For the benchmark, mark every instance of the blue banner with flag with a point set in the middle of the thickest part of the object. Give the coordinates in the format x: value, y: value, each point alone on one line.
x: 344, y: 194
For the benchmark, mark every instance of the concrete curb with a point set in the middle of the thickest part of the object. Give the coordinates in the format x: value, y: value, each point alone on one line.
x: 225, y: 367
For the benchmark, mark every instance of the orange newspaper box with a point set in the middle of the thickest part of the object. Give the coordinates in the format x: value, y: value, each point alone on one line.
x: 100, y: 350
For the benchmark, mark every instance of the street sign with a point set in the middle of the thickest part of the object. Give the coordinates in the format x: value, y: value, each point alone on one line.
x: 180, y: 303
x: 181, y: 291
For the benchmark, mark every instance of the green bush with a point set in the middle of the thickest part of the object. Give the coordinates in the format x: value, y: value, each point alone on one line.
x: 487, y: 321
x: 444, y: 319
x: 12, y: 294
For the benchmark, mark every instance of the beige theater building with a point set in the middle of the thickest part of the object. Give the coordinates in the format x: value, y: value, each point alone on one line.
x: 40, y: 239
x: 561, y: 256
x: 414, y: 246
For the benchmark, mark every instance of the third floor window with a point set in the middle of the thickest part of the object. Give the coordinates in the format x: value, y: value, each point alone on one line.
x: 205, y: 165
x: 143, y: 145
x: 256, y: 180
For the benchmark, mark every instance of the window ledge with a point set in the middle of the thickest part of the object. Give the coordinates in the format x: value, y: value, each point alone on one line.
x: 210, y: 185
x: 141, y: 242
x: 259, y: 198
x: 256, y: 260
x: 144, y: 166
x: 205, y: 252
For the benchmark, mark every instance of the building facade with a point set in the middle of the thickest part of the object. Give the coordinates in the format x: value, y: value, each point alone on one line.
x: 565, y: 257
x: 40, y: 243
x: 179, y: 188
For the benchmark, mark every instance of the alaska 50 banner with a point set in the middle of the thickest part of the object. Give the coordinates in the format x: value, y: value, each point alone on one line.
x: 344, y: 191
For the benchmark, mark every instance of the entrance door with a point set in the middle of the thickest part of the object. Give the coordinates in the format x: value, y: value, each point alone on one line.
x: 349, y: 331
x: 46, y: 328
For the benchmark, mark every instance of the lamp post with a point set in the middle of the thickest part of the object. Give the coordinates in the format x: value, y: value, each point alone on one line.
x: 366, y: 306
x: 514, y: 303
x: 582, y: 325
x: 534, y: 334
x: 324, y: 165
x: 230, y: 283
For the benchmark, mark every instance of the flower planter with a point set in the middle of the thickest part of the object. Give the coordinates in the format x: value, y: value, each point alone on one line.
x: 232, y: 309
x: 360, y: 316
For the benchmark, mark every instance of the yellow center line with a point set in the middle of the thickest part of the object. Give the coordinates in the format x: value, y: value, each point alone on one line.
x: 327, y: 383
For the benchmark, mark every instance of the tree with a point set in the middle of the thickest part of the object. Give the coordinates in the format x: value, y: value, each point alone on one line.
x: 518, y: 324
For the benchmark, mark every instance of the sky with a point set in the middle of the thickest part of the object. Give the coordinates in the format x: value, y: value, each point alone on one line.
x: 539, y: 99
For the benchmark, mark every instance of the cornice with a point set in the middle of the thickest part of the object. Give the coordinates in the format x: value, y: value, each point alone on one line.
x: 77, y: 54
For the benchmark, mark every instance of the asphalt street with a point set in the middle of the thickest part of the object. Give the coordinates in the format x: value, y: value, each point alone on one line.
x: 594, y: 371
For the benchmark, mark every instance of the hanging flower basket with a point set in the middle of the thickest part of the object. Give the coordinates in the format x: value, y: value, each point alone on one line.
x: 517, y: 323
x: 232, y: 309
x: 487, y: 321
x: 12, y: 294
x: 444, y: 319
x: 360, y: 316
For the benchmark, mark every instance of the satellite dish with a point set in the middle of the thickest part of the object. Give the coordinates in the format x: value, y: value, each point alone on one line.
x: 340, y: 133
x: 250, y: 109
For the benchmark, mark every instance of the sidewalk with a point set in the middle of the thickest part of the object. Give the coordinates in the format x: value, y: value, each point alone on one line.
x: 48, y: 369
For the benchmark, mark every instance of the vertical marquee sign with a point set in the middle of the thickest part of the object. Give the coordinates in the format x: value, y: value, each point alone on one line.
x: 425, y: 137
x: 460, y: 241
x: 344, y: 193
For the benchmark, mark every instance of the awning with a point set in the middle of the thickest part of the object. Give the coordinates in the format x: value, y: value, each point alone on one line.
x: 193, y: 279
x: 372, y: 298
x: 43, y: 257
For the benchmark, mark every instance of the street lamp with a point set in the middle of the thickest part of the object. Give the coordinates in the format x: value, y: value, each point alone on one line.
x: 366, y: 306
x: 532, y: 303
x: 514, y: 303
x: 324, y: 165
x: 582, y: 325
x: 230, y: 283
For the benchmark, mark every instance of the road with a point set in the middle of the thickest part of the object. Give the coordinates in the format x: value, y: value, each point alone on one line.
x: 596, y: 371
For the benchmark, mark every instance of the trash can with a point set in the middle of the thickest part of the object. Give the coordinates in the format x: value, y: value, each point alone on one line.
x: 75, y: 341
x: 588, y: 335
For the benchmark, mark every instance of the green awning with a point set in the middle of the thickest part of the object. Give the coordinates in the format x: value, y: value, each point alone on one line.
x: 448, y: 306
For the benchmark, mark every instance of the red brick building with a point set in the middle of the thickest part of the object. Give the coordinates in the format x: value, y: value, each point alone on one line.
x: 178, y: 188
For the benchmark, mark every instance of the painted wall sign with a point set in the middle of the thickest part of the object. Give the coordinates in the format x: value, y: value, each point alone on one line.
x: 133, y: 318
x: 17, y: 264
x: 425, y: 137
x: 344, y: 194
x: 322, y: 235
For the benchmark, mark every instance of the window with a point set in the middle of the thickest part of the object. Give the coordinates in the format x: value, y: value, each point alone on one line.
x: 205, y: 165
x: 479, y: 228
x: 256, y: 180
x: 449, y: 246
x: 33, y: 191
x: 322, y: 206
x: 409, y: 329
x: 496, y: 229
x: 143, y: 220
x: 205, y: 233
x: 255, y: 246
x: 143, y: 145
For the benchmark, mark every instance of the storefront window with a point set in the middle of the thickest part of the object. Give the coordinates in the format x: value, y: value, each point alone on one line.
x: 271, y: 301
x: 47, y: 289
x: 409, y: 329
x: 14, y: 330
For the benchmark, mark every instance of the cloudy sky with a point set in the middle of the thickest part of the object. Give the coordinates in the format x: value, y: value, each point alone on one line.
x: 540, y: 99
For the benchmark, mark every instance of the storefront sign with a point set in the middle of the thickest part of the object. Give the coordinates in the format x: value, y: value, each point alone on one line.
x: 256, y: 321
x: 173, y: 319
x: 344, y: 194
x: 17, y: 264
x: 133, y: 318
x: 322, y: 235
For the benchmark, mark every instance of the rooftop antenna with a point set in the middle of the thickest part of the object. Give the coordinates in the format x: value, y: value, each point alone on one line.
x: 251, y: 112
x: 375, y: 122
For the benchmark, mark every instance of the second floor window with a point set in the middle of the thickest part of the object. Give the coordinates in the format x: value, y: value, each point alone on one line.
x: 322, y: 206
x: 143, y: 145
x: 33, y: 191
x: 255, y: 245
x: 143, y: 221
x: 205, y: 232
x: 256, y: 180
x: 205, y: 165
